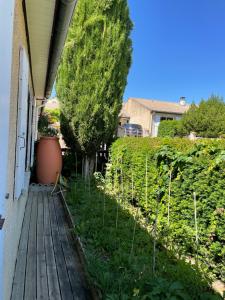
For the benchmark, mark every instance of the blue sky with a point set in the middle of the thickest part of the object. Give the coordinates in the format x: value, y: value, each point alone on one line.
x: 179, y: 49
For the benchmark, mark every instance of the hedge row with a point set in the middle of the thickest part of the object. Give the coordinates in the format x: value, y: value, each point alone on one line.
x: 161, y: 176
x: 169, y: 128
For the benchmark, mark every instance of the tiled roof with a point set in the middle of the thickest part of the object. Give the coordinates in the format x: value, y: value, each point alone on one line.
x: 162, y: 106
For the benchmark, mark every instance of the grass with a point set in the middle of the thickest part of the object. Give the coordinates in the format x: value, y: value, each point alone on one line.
x: 119, y: 251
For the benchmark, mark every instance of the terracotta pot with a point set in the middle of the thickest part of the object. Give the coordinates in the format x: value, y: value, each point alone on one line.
x: 49, y: 160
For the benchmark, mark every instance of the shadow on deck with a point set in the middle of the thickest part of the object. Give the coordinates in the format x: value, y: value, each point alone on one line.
x: 48, y: 266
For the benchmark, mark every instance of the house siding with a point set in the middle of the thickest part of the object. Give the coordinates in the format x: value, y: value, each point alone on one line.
x: 14, y: 211
x: 149, y: 118
x: 139, y: 115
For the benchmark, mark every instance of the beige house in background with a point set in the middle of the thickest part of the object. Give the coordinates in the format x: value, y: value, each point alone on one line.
x: 149, y: 113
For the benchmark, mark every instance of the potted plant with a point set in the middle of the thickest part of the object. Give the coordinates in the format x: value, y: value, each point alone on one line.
x: 49, y: 156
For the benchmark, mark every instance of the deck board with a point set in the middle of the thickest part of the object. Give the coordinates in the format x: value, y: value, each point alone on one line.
x: 42, y: 283
x: 19, y: 276
x: 31, y: 265
x: 52, y: 275
x: 76, y: 279
x: 48, y: 266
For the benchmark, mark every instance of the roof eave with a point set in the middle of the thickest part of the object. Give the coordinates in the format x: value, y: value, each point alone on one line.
x: 63, y: 16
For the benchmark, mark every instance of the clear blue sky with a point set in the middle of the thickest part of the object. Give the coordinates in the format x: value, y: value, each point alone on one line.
x: 179, y: 49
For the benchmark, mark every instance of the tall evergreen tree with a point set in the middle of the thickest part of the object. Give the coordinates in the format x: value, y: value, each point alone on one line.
x: 93, y: 73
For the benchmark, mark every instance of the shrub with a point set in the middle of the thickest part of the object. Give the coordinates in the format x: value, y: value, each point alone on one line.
x: 53, y: 115
x: 168, y: 128
x: 194, y: 167
x: 207, y: 119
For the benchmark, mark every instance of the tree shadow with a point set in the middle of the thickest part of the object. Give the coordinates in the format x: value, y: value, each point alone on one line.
x: 123, y: 259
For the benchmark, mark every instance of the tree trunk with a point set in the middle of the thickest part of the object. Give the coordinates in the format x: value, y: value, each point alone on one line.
x: 89, y: 164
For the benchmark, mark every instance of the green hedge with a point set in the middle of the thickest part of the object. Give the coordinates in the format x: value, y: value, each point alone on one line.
x: 168, y: 128
x: 194, y: 167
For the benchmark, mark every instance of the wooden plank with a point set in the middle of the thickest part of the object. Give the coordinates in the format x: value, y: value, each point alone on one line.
x: 31, y: 269
x: 53, y: 284
x: 64, y: 282
x: 42, y: 283
x: 20, y: 270
x: 75, y: 272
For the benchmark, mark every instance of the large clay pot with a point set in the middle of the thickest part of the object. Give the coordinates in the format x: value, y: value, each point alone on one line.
x: 49, y: 160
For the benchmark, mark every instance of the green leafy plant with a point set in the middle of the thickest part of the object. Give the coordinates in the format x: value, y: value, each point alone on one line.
x: 206, y: 119
x: 50, y: 131
x: 53, y: 115
x: 169, y: 128
x: 44, y: 126
x: 43, y: 122
x: 179, y: 168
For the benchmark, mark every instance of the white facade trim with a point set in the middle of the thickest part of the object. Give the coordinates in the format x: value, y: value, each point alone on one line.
x: 22, y: 123
x: 6, y: 40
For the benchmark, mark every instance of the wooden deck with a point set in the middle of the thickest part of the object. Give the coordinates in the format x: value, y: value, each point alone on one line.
x: 48, y: 267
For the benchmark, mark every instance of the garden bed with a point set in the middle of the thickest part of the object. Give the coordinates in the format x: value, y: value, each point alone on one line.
x: 123, y: 258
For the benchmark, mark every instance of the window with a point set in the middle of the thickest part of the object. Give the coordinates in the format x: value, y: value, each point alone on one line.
x: 166, y: 119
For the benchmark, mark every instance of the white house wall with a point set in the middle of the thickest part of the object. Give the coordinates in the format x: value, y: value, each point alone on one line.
x: 14, y: 209
x: 6, y: 40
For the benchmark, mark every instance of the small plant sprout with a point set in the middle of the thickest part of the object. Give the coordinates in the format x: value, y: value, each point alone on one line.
x: 146, y: 181
x: 196, y: 226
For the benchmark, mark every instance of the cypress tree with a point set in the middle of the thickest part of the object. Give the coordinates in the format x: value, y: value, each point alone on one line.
x: 93, y: 73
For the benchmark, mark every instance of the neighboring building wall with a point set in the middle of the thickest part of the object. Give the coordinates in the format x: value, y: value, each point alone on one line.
x: 139, y: 115
x: 156, y: 118
x: 123, y: 120
x: 14, y: 208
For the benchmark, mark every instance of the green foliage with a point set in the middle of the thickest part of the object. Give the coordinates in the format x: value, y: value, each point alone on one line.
x: 195, y: 167
x: 168, y: 128
x: 43, y: 122
x: 50, y: 131
x: 53, y: 115
x: 44, y: 126
x: 207, y: 119
x: 118, y: 273
x: 93, y: 72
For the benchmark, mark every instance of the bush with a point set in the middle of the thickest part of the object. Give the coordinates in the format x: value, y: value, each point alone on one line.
x: 193, y: 167
x: 168, y: 128
x: 53, y: 115
x: 207, y: 119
